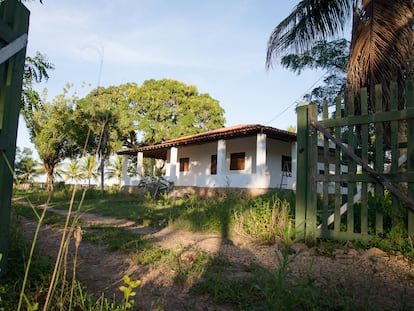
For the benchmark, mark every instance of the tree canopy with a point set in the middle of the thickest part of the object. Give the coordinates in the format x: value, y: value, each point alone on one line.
x: 331, y: 57
x: 166, y: 109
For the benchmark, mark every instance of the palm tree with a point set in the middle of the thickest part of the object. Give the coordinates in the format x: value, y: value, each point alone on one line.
x: 26, y: 167
x: 381, y: 40
x: 89, y: 168
x: 72, y: 171
x: 115, y: 169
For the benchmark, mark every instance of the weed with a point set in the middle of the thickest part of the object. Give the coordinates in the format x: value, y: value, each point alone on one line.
x: 190, y: 266
x: 128, y: 291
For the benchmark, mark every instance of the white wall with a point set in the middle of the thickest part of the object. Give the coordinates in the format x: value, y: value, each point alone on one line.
x: 200, y: 162
x: 199, y: 174
x: 275, y: 150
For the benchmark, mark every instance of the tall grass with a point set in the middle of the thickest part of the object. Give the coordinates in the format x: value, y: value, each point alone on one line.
x: 29, y: 278
x: 267, y: 220
x: 58, y: 290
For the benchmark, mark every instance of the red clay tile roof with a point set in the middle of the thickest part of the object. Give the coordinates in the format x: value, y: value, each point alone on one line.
x: 160, y: 151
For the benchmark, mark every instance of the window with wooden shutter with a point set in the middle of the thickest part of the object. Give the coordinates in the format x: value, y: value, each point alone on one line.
x: 184, y: 164
x: 237, y: 161
x: 213, y: 167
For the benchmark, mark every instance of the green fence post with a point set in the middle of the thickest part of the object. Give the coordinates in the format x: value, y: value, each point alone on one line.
x: 14, y: 23
x: 410, y: 154
x: 302, y: 170
x: 312, y: 185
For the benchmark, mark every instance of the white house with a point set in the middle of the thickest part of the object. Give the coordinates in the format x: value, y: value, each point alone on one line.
x: 251, y: 157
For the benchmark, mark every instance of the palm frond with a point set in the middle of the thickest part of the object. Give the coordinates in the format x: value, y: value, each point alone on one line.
x: 309, y: 22
x: 381, y: 43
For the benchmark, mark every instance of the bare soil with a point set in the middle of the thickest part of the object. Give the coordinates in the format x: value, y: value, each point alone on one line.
x: 389, y: 278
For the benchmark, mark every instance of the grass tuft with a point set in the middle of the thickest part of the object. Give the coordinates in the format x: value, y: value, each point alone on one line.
x: 115, y: 239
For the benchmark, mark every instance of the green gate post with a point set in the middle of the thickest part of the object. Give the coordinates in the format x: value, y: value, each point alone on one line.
x: 302, y: 175
x: 14, y: 23
x: 312, y: 153
x: 410, y: 153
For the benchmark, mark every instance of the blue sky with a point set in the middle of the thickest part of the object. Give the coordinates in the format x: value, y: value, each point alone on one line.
x: 217, y: 45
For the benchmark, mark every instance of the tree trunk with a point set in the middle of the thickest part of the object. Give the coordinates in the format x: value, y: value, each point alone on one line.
x: 49, y: 181
x: 102, y: 171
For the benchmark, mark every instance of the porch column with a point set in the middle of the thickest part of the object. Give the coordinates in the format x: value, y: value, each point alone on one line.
x: 173, y: 164
x: 140, y: 164
x: 124, y: 174
x: 261, y: 165
x: 221, y: 157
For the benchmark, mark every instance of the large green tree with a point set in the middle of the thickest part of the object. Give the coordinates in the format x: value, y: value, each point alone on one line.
x: 51, y: 132
x: 166, y: 109
x: 381, y: 39
x: 128, y: 115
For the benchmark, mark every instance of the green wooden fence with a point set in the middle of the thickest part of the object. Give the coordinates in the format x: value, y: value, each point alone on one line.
x: 14, y: 23
x: 351, y: 183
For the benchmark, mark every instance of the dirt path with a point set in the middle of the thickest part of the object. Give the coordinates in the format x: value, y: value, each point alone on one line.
x: 387, y: 277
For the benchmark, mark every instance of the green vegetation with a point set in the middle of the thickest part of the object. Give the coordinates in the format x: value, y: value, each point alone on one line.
x: 247, y: 287
x: 115, y: 239
x: 267, y: 220
x: 219, y: 214
x: 25, y: 167
x: 369, y: 63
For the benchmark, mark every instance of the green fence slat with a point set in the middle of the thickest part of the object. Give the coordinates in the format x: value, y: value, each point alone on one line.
x: 393, y: 146
x: 351, y: 171
x: 338, y: 197
x: 364, y: 156
x: 311, y: 209
x: 410, y: 152
x: 379, y: 161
